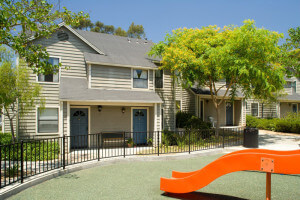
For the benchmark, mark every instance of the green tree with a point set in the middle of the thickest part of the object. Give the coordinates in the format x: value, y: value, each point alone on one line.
x: 98, y: 27
x: 249, y: 58
x: 120, y: 32
x: 84, y: 24
x: 136, y: 31
x: 109, y: 29
x: 17, y: 92
x: 23, y: 19
x: 292, y: 45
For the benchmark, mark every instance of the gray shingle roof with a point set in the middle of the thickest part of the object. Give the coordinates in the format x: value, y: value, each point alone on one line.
x: 291, y: 97
x: 118, y: 50
x: 76, y: 89
x: 204, y: 91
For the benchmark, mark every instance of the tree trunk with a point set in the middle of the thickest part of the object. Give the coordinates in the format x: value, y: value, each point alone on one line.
x: 12, y: 130
x: 218, y: 120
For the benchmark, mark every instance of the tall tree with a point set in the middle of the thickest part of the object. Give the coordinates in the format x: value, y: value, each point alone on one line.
x: 98, y: 27
x: 17, y: 92
x: 293, y: 47
x: 249, y: 58
x: 109, y: 29
x: 120, y: 32
x: 136, y: 31
x: 23, y: 19
x: 84, y: 24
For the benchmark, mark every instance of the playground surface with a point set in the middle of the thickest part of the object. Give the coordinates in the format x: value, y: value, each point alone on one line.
x: 141, y: 179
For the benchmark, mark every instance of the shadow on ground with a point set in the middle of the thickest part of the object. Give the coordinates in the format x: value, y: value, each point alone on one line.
x: 268, y: 139
x: 201, y: 196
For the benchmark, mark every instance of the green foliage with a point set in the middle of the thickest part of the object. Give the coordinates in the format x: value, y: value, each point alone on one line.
x: 5, y: 138
x: 32, y: 151
x: 187, y: 120
x: 136, y: 31
x: 20, y: 20
x: 16, y: 90
x: 130, y: 141
x: 120, y: 32
x: 288, y: 124
x: 169, y: 138
x: 249, y: 58
x: 182, y: 118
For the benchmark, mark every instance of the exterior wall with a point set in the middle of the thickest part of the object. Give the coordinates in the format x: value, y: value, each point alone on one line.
x: 106, y: 77
x: 286, y: 108
x: 111, y: 77
x: 289, y: 90
x: 265, y: 110
x: 71, y: 56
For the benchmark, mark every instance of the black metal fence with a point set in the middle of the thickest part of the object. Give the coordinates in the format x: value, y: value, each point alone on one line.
x: 30, y: 157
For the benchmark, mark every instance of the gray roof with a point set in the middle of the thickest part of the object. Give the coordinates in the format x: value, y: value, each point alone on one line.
x: 76, y: 89
x: 291, y: 97
x: 204, y: 91
x: 118, y: 50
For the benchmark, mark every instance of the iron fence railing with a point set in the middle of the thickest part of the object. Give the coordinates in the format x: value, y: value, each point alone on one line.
x: 32, y: 156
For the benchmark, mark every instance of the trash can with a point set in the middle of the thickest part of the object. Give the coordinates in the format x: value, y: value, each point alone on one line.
x: 251, y: 137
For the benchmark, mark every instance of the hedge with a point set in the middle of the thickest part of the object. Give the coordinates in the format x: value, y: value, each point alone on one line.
x: 288, y: 124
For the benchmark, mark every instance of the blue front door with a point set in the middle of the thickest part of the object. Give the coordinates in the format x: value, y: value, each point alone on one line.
x: 79, y: 127
x: 140, y: 126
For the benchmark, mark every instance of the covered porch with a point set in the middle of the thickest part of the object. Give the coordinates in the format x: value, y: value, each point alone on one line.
x: 232, y: 114
x: 87, y: 113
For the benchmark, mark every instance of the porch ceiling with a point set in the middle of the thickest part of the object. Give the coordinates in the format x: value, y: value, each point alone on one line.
x: 76, y: 89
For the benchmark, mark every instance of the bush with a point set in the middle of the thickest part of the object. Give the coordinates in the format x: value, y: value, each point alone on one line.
x: 182, y: 118
x: 39, y: 150
x: 288, y: 124
x: 5, y: 138
x: 187, y: 120
x: 169, y: 138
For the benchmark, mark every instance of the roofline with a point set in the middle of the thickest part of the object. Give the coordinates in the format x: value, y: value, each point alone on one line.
x: 111, y: 101
x: 78, y: 35
x: 119, y: 65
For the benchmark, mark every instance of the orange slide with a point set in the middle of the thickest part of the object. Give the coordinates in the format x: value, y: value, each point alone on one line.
x: 269, y: 161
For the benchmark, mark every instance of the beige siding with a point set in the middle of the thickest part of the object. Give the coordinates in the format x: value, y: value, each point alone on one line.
x: 107, y: 77
x: 71, y: 56
x: 167, y: 95
x: 265, y: 110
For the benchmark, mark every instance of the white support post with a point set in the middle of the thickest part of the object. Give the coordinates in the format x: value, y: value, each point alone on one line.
x: 61, y: 117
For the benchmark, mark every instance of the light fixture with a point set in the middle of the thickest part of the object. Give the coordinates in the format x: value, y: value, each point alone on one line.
x: 206, y: 100
x: 99, y: 108
x: 123, y: 109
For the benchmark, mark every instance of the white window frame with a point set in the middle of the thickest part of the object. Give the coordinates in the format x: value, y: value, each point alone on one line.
x: 148, y: 75
x: 59, y: 74
x: 257, y: 109
x: 37, y: 120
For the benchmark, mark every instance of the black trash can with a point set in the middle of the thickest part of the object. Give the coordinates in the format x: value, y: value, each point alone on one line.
x: 251, y: 137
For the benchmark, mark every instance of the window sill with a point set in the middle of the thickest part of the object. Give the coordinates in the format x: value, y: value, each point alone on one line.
x: 48, y: 83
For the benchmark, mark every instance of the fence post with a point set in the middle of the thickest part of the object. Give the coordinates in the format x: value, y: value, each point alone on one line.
x: 22, y: 162
x: 98, y: 147
x: 157, y: 143
x: 64, y: 151
x: 189, y: 141
x: 223, y: 137
x: 124, y: 146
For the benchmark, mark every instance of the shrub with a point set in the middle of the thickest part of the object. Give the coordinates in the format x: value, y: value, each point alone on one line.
x: 288, y: 124
x: 5, y: 138
x: 169, y: 138
x: 182, y: 118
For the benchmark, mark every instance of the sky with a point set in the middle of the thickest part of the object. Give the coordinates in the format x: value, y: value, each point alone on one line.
x: 159, y: 17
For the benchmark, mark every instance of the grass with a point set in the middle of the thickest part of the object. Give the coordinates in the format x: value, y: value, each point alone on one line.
x: 141, y: 180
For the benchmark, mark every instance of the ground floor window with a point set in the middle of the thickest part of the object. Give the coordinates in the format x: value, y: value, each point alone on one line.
x: 254, y: 109
x: 295, y: 108
x: 48, y: 120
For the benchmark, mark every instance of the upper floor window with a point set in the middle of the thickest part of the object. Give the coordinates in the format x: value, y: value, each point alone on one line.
x: 159, y: 78
x: 50, y: 77
x: 140, y: 78
x: 293, y: 85
x: 254, y: 109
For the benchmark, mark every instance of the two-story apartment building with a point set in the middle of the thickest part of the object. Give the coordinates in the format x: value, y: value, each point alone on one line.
x: 289, y: 102
x: 108, y: 83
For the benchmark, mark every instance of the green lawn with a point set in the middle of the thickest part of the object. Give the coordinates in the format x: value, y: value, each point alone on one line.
x: 140, y: 180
